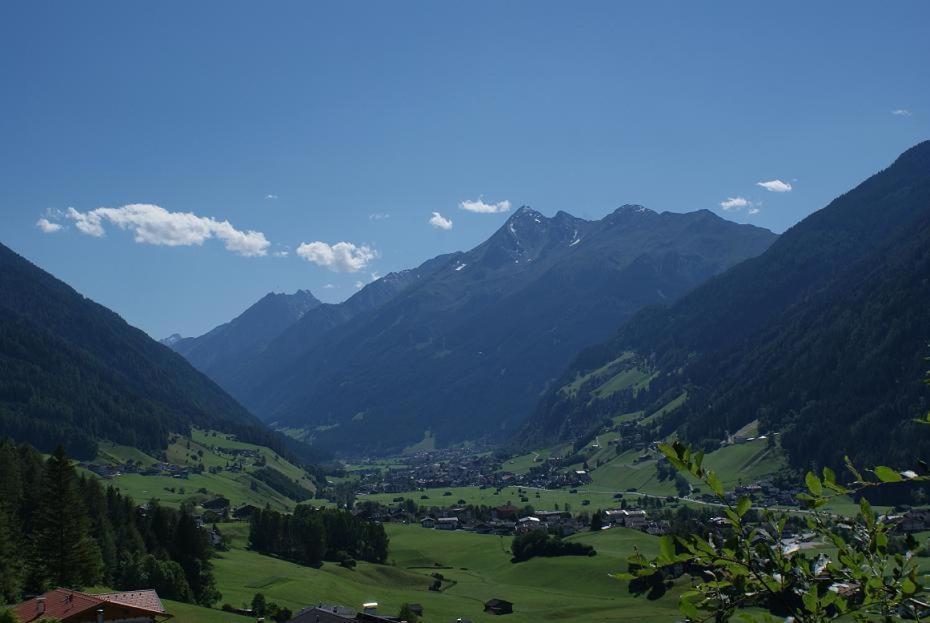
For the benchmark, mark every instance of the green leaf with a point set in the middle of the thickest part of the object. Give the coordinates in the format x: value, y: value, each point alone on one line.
x: 886, y: 474
x: 867, y: 513
x: 743, y: 505
x: 813, y: 484
x: 908, y: 587
x: 689, y: 610
x: 713, y: 481
x: 623, y: 577
x: 699, y: 458
x: 853, y: 470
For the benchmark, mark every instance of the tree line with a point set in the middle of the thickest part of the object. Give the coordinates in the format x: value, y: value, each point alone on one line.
x: 310, y: 536
x: 59, y: 529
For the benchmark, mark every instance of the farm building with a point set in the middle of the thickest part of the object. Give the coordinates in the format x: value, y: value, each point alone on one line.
x: 498, y: 606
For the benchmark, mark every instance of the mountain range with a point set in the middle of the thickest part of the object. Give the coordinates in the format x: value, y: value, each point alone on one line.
x: 823, y: 337
x: 74, y: 372
x: 462, y: 347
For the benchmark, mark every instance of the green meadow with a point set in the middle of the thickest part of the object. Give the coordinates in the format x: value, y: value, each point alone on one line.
x: 475, y: 568
x: 211, y: 450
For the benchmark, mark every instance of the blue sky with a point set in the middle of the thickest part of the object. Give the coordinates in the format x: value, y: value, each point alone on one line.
x: 323, y: 123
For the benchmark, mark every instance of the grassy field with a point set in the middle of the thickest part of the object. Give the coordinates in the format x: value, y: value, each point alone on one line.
x: 476, y: 567
x: 211, y: 450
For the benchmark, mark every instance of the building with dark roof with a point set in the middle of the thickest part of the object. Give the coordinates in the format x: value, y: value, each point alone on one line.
x: 498, y: 606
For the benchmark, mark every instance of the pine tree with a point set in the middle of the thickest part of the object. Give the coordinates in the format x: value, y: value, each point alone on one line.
x: 64, y: 552
x: 10, y: 568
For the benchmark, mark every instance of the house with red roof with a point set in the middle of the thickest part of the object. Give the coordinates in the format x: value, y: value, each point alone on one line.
x: 70, y: 606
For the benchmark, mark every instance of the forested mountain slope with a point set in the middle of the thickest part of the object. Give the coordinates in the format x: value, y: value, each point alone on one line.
x: 73, y: 372
x: 824, y: 336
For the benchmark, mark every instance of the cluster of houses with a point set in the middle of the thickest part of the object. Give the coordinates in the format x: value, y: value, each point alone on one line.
x: 767, y: 493
x: 914, y: 520
x: 507, y: 520
x: 335, y: 613
x: 112, y: 470
x: 457, y: 467
x: 452, y: 467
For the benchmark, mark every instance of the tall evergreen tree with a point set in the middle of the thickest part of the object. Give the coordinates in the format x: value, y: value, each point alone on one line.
x: 64, y: 550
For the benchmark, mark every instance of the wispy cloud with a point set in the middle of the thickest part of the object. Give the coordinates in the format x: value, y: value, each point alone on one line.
x: 775, y: 186
x: 481, y: 207
x: 378, y: 216
x: 271, y: 196
x: 438, y: 221
x: 329, y: 286
x: 359, y: 285
x: 754, y: 210
x: 735, y: 203
x: 152, y: 224
x: 47, y: 226
x: 901, y: 112
x: 342, y: 257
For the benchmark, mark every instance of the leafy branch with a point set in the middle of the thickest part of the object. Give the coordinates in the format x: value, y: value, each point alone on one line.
x: 854, y: 575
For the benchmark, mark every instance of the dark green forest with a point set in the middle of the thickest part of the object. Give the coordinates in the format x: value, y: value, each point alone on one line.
x: 310, y: 536
x: 58, y: 529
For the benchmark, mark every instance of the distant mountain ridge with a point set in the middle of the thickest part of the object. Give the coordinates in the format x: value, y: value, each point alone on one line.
x: 73, y: 372
x: 823, y: 336
x: 462, y: 346
x: 217, y: 352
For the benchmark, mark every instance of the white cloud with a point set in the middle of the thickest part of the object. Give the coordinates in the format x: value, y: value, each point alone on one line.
x: 775, y: 186
x: 378, y: 216
x: 47, y: 226
x: 329, y: 286
x: 342, y: 257
x: 359, y: 285
x: 901, y: 112
x: 438, y: 221
x: 481, y: 207
x: 152, y: 224
x: 753, y: 210
x: 271, y: 196
x: 735, y: 203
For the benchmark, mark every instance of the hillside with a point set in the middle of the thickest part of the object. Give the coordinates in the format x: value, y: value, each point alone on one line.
x: 74, y: 372
x: 823, y: 336
x: 465, y: 350
x: 202, y: 467
x: 217, y: 352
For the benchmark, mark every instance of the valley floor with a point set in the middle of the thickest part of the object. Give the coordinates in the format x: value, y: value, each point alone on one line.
x: 475, y: 568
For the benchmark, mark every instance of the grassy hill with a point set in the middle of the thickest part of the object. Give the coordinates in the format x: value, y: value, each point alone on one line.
x: 235, y: 463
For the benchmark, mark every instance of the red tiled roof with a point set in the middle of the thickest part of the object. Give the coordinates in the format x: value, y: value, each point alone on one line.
x: 60, y: 603
x: 63, y: 603
x: 143, y: 600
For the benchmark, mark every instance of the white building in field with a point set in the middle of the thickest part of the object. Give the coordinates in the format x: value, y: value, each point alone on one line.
x: 635, y: 519
x: 529, y: 524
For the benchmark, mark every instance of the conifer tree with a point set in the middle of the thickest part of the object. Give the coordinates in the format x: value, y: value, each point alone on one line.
x: 64, y: 551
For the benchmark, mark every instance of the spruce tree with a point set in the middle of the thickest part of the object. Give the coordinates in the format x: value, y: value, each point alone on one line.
x: 64, y: 552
